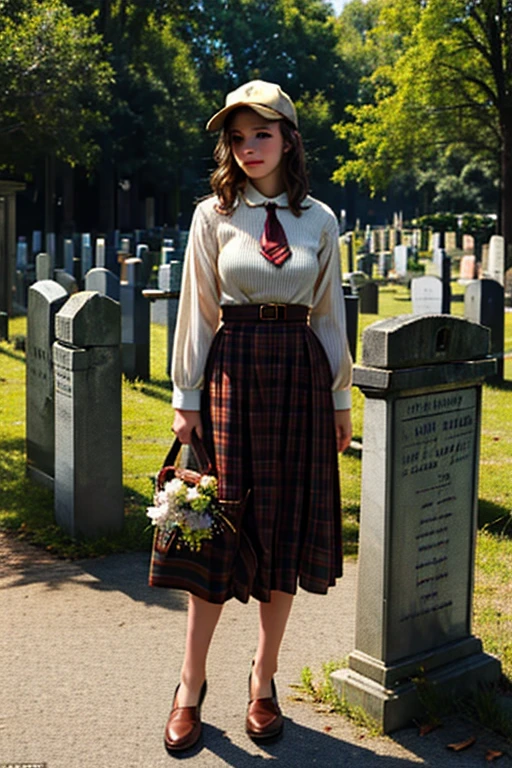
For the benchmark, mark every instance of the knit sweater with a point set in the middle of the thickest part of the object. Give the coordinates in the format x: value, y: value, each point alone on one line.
x: 223, y: 265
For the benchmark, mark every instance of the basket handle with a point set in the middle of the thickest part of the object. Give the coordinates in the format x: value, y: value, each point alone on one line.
x: 201, y: 456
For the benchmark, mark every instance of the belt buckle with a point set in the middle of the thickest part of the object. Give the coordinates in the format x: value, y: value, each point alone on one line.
x: 271, y: 312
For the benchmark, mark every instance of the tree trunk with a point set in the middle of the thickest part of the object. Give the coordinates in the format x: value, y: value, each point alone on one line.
x: 506, y: 186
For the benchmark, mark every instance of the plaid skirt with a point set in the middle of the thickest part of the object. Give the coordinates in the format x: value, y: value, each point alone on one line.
x: 268, y: 424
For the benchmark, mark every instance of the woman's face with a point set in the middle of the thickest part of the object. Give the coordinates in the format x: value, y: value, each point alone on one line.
x: 258, y: 146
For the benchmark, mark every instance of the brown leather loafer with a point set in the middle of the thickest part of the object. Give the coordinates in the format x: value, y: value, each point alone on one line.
x: 184, y: 727
x: 264, y: 721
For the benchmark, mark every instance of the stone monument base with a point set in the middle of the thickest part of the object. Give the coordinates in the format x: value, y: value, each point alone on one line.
x: 391, y: 695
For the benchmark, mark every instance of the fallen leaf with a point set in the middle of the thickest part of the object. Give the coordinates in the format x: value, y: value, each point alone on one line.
x: 460, y: 745
x: 428, y: 728
x: 328, y: 728
x: 492, y: 754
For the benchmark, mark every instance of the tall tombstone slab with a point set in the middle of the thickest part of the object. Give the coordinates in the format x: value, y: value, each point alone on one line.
x: 135, y: 326
x: 427, y: 295
x: 422, y: 379
x: 88, y: 462
x: 484, y: 303
x: 45, y: 299
x: 104, y: 281
x: 496, y: 259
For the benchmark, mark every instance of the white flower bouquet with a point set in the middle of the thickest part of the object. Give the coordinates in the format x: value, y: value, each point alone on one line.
x: 187, y: 506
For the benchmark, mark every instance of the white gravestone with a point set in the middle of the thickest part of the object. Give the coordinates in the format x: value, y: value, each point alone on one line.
x: 427, y: 295
x: 496, y: 259
x: 400, y: 255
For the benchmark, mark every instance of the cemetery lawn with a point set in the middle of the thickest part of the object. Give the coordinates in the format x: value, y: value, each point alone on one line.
x: 26, y: 510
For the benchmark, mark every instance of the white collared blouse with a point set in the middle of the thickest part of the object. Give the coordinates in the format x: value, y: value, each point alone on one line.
x: 223, y: 265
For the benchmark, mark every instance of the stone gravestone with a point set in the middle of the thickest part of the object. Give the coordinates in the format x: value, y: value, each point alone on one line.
x: 468, y: 243
x: 427, y: 295
x: 45, y: 299
x: 496, y: 259
x: 88, y: 462
x: 86, y: 254
x: 67, y: 281
x: 44, y: 267
x: 37, y: 242
x: 69, y: 256
x: 134, y: 323
x: 484, y: 303
x: 450, y: 241
x: 467, y: 269
x: 400, y: 256
x: 351, y: 313
x: 142, y: 252
x: 422, y: 379
x: 104, y: 281
x: 100, y: 255
x: 356, y: 280
x: 169, y: 279
x: 369, y: 299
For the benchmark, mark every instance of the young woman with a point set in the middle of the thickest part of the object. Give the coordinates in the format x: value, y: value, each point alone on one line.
x: 262, y: 372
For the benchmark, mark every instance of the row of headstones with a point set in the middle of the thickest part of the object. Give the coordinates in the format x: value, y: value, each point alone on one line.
x: 79, y: 259
x: 135, y: 309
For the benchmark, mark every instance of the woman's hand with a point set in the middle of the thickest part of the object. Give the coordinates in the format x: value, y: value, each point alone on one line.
x: 343, y: 425
x: 184, y: 423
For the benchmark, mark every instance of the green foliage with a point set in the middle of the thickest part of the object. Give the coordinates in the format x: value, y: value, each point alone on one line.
x: 54, y: 84
x: 447, y: 84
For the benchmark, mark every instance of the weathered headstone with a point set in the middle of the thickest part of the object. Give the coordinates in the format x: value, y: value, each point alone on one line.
x: 143, y: 253
x: 450, y: 241
x: 427, y: 295
x: 468, y: 243
x: 401, y: 253
x: 165, y: 311
x: 134, y: 323
x: 356, y: 280
x: 104, y: 281
x: 167, y: 252
x: 67, y: 281
x: 51, y: 245
x: 369, y: 298
x: 100, y: 256
x: 85, y: 254
x: 422, y: 380
x: 484, y: 304
x: 21, y: 254
x: 384, y: 264
x: 467, y: 269
x: 496, y: 259
x: 37, y: 242
x: 44, y: 267
x: 69, y: 256
x: 351, y: 313
x: 88, y: 465
x: 45, y: 299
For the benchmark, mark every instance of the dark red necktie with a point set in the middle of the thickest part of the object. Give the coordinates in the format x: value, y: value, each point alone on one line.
x: 274, y: 245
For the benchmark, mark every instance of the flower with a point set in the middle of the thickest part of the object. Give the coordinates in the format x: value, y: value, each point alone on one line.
x: 191, y: 510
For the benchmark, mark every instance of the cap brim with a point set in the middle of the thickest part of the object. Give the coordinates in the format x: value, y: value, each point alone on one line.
x: 217, y: 121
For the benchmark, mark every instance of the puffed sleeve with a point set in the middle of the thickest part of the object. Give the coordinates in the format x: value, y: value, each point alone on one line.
x: 328, y: 315
x: 198, y: 312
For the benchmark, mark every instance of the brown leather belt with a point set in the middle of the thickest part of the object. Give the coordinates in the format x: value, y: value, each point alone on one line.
x: 255, y: 313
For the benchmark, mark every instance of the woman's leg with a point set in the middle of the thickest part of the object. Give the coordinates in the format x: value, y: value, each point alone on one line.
x: 202, y: 620
x: 273, y: 619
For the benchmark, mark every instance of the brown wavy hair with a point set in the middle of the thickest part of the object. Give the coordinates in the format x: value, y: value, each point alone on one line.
x: 228, y: 179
